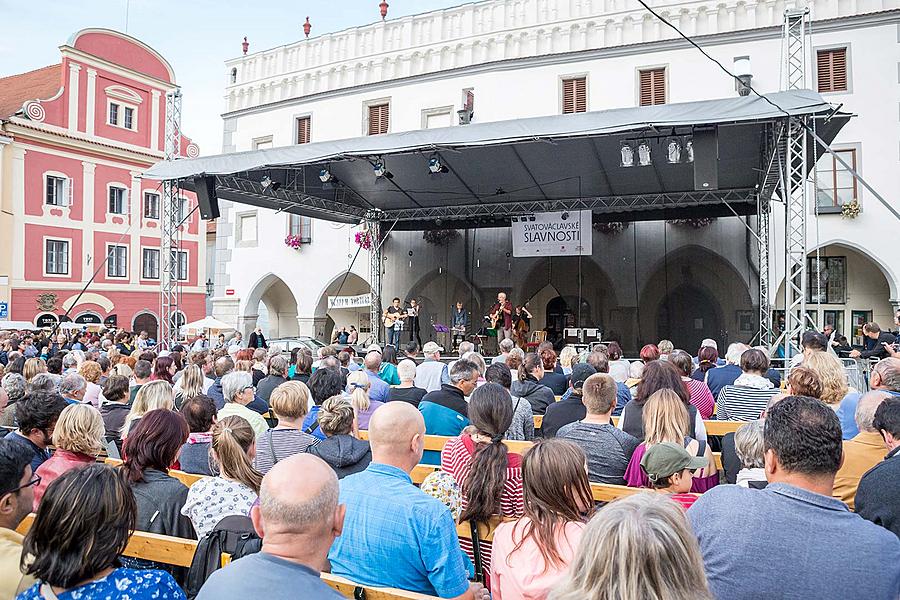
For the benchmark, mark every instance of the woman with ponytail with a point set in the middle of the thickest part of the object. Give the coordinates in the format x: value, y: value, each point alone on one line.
x: 358, y: 387
x: 529, y: 387
x: 489, y: 475
x: 236, y: 488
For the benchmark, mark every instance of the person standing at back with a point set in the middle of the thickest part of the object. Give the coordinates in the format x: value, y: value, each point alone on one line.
x: 752, y: 540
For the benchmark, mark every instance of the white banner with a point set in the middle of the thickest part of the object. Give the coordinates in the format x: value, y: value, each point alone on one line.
x: 339, y: 302
x: 565, y: 233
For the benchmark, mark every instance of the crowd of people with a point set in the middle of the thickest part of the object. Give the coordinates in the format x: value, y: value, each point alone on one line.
x: 315, y: 455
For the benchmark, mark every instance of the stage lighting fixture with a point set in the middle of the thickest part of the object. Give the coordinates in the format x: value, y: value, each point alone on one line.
x: 325, y: 176
x: 532, y: 218
x: 627, y: 155
x: 643, y: 151
x: 268, y: 184
x: 381, y: 170
x: 435, y: 166
x: 673, y: 151
x: 689, y: 150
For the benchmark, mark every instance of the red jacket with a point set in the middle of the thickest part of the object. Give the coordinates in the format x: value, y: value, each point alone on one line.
x: 56, y: 465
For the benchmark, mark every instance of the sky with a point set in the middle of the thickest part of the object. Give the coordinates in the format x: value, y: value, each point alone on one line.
x: 195, y: 36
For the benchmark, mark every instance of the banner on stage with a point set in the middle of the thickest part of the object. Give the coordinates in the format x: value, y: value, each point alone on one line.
x: 566, y: 233
x: 339, y: 302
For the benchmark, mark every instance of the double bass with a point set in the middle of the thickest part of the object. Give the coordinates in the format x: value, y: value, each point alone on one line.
x: 522, y: 326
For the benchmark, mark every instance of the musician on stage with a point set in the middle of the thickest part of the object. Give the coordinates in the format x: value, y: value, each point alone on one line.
x: 459, y: 323
x: 393, y: 322
x: 522, y: 325
x: 501, y: 317
x: 412, y: 313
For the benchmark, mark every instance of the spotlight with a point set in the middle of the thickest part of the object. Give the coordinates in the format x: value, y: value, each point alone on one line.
x: 673, y: 151
x: 379, y: 169
x: 435, y: 166
x: 627, y: 155
x: 689, y: 150
x: 643, y: 150
x: 325, y: 176
x: 268, y: 184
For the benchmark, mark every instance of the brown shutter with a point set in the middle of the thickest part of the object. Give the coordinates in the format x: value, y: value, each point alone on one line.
x: 831, y: 70
x: 379, y: 118
x: 652, y: 87
x: 574, y: 95
x: 303, y: 124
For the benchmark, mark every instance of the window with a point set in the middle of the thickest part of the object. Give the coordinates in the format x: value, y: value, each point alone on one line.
x: 151, y: 205
x: 574, y: 95
x: 301, y: 227
x: 303, y: 130
x: 836, y: 185
x: 57, y: 193
x: 827, y: 280
x: 182, y: 209
x: 117, y: 262
x: 117, y: 200
x: 858, y: 318
x: 437, y: 117
x: 835, y: 318
x: 652, y: 86
x: 113, y: 113
x: 247, y: 229
x: 150, y: 263
x: 181, y: 265
x: 128, y: 121
x: 122, y: 115
x: 379, y: 118
x: 263, y: 143
x: 57, y: 257
x: 831, y: 70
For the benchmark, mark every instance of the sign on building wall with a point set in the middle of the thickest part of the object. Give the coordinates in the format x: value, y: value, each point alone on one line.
x: 4, y: 310
x: 566, y: 233
x: 339, y: 302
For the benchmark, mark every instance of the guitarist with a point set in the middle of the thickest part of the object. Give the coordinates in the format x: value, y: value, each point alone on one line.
x: 393, y: 322
x: 501, y: 318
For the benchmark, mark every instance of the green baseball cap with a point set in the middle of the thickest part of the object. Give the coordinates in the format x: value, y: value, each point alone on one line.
x: 666, y: 458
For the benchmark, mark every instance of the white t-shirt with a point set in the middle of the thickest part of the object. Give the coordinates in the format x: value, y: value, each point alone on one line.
x: 211, y: 499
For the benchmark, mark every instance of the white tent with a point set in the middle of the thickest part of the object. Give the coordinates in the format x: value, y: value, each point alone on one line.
x: 206, y: 324
x: 17, y: 325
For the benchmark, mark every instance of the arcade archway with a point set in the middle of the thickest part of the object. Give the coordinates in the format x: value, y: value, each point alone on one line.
x: 272, y: 306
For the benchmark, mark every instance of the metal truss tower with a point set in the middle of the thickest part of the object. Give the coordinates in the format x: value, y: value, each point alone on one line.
x: 375, y: 270
x: 170, y: 234
x: 765, y: 301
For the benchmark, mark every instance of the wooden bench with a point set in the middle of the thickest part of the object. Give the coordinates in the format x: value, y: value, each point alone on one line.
x: 713, y: 427
x: 436, y: 442
x: 187, y: 479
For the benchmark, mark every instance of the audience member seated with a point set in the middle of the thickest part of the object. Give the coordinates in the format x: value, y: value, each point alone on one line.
x: 258, y: 368
x: 751, y: 539
x: 706, y: 360
x: 885, y: 377
x: 864, y: 451
x: 150, y: 450
x: 190, y: 384
x: 16, y: 499
x: 278, y: 367
x: 222, y: 367
x: 388, y: 370
x: 879, y: 488
x: 81, y: 528
x: 431, y: 373
x: 489, y: 476
x: 522, y: 426
x: 341, y: 449
x: 534, y: 552
x: 143, y: 369
x: 719, y: 377
x: 831, y: 374
x: 636, y: 547
x: 660, y: 375
x: 236, y: 487
x: 666, y: 420
x: 731, y: 464
x: 407, y: 390
x: 303, y: 368
x: 72, y: 387
x: 77, y: 438
x: 446, y: 411
x: 505, y: 346
x: 748, y: 396
x: 618, y: 367
x: 699, y: 392
x: 358, y: 386
x: 298, y: 517
x: 13, y: 385
x: 289, y: 403
x: 378, y: 389
x: 600, y: 362
x: 749, y: 446
x: 200, y: 414
x: 394, y: 534
x: 571, y: 407
x: 154, y: 395
x: 567, y: 357
x: 557, y: 382
x: 37, y: 415
x: 239, y: 392
x: 323, y: 384
x: 528, y: 384
x: 670, y: 468
x: 91, y: 372
x: 608, y: 449
x: 115, y: 407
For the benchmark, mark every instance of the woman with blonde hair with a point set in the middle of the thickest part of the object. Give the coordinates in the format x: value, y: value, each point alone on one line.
x: 236, y: 488
x: 122, y: 369
x: 151, y: 396
x: 289, y: 402
x: 91, y: 371
x: 32, y: 367
x: 341, y: 449
x: 636, y: 547
x: 566, y: 357
x: 358, y: 387
x: 532, y: 553
x: 190, y: 384
x: 78, y: 437
x: 665, y: 419
x: 831, y: 373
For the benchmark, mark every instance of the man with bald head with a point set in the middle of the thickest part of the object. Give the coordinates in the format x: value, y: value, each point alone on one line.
x: 395, y: 535
x: 298, y: 517
x: 378, y: 389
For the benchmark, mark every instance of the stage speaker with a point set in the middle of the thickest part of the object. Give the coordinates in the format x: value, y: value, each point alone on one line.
x: 205, y: 188
x: 706, y: 159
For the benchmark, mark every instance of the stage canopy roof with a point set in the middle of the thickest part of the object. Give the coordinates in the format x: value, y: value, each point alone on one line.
x: 494, y: 171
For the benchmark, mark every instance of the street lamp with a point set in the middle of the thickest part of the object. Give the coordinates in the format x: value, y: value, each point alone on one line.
x: 210, y: 287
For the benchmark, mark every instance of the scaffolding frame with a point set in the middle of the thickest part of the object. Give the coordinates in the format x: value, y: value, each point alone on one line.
x: 375, y: 272
x: 170, y: 234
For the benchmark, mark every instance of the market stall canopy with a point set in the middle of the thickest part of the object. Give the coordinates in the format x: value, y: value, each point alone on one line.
x: 17, y: 326
x: 206, y: 324
x: 484, y: 173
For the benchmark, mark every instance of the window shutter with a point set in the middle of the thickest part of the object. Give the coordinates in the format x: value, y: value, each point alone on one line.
x: 652, y: 87
x: 379, y: 119
x: 70, y: 194
x: 574, y: 95
x: 303, y: 132
x: 831, y: 70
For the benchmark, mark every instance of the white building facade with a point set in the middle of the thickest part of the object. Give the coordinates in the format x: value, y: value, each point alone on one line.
x: 507, y: 59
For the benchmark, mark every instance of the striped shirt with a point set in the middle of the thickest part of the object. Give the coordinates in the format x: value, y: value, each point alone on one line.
x: 701, y: 397
x: 456, y: 459
x: 742, y: 403
x: 278, y: 444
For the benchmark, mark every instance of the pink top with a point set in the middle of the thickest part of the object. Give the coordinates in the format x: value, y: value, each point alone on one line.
x: 701, y: 397
x: 56, y: 465
x: 636, y: 477
x: 518, y: 576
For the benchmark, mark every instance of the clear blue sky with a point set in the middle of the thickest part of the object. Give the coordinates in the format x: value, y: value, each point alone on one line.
x: 195, y: 36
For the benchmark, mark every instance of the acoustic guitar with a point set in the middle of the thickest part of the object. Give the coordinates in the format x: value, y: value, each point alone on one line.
x: 390, y: 318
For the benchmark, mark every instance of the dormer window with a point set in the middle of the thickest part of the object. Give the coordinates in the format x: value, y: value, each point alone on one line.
x: 122, y: 107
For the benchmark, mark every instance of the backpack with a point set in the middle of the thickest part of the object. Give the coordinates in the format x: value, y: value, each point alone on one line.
x: 232, y: 535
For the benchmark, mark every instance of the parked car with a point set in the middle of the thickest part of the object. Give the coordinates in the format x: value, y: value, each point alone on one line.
x: 286, y: 345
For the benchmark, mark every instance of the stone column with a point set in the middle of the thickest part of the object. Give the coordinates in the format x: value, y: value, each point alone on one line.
x: 73, y: 96
x: 91, y: 101
x: 313, y: 327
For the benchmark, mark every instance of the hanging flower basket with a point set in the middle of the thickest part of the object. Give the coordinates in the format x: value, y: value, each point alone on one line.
x: 364, y: 240
x: 293, y: 241
x: 850, y: 210
x: 611, y: 228
x: 440, y: 237
x: 693, y: 223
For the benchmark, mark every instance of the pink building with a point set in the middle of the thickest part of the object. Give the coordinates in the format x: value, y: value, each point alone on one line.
x: 74, y: 140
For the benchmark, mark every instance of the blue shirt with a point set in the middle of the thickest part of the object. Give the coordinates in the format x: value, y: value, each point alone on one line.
x: 846, y: 412
x: 395, y: 535
x: 121, y: 583
x: 39, y: 455
x: 378, y: 389
x: 263, y: 575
